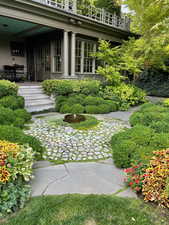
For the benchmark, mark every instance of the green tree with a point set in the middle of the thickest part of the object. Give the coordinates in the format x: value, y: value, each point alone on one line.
x: 150, y: 50
x: 110, y: 5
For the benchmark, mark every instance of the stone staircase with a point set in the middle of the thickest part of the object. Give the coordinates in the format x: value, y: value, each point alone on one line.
x: 35, y: 99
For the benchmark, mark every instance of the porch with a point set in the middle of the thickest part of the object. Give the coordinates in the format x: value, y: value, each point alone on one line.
x: 33, y: 52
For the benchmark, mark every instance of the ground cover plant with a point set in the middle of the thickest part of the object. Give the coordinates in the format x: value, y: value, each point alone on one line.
x: 15, y: 171
x: 89, y: 123
x: 86, y: 210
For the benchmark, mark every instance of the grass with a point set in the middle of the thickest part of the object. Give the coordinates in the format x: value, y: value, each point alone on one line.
x: 86, y: 210
x: 90, y: 123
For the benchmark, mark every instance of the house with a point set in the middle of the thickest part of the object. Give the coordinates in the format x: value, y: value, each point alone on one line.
x: 48, y: 39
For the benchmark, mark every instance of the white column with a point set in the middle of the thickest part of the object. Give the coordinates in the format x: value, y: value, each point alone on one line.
x: 73, y: 53
x: 66, y: 54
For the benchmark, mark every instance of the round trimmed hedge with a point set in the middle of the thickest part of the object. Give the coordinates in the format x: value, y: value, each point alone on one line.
x: 137, y: 145
x: 84, y: 104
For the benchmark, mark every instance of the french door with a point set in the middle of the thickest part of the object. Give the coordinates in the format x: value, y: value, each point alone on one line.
x: 42, y: 61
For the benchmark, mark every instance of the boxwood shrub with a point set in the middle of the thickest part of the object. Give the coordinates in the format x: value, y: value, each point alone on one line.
x: 16, y: 118
x: 137, y: 145
x: 84, y: 104
x: 12, y: 102
x: 66, y: 87
x: 7, y: 88
x: 148, y: 114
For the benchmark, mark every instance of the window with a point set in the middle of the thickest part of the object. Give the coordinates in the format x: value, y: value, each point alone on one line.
x: 78, y: 55
x: 17, y: 49
x: 85, y: 63
x: 58, y: 55
x: 88, y: 59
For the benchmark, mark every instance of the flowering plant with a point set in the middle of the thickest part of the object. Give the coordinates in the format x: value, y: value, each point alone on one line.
x: 135, y: 177
x: 156, y: 183
x: 15, y: 170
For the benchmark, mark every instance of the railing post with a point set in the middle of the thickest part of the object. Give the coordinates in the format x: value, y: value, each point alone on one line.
x: 67, y: 5
x: 75, y: 6
x: 103, y: 15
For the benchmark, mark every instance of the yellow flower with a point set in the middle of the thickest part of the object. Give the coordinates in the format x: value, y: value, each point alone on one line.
x: 6, y: 146
x: 4, y: 175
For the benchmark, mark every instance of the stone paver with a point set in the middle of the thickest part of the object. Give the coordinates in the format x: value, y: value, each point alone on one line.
x: 68, y: 144
x: 83, y: 178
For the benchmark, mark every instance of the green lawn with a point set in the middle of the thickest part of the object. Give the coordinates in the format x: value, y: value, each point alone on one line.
x: 86, y: 210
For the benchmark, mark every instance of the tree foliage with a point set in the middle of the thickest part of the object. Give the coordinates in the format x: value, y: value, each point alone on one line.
x: 150, y: 50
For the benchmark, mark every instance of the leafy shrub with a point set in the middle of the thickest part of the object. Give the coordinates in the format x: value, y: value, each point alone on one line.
x: 65, y: 108
x: 154, y: 82
x: 113, y: 105
x: 91, y: 109
x: 15, y: 170
x: 125, y: 95
x: 7, y: 88
x: 16, y: 118
x: 76, y: 99
x: 16, y: 135
x: 103, y: 108
x: 135, y: 177
x: 160, y: 126
x: 90, y: 100
x: 66, y: 87
x: 166, y: 102
x: 155, y: 183
x: 77, y: 108
x: 12, y: 102
x: 60, y: 100
x: 136, y: 145
x: 129, y: 94
x: 23, y: 114
x: 148, y: 114
x: 7, y: 116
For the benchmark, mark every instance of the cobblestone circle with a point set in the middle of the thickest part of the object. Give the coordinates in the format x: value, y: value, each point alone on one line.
x: 68, y: 144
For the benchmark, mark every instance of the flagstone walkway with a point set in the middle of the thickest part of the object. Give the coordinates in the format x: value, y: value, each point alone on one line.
x: 100, y: 177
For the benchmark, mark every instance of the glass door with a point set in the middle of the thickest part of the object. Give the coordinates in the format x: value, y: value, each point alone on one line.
x: 42, y: 62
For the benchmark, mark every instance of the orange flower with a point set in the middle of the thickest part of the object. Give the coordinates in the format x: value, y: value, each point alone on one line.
x: 4, y: 175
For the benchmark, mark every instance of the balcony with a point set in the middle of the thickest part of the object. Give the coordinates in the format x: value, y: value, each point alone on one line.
x: 89, y: 12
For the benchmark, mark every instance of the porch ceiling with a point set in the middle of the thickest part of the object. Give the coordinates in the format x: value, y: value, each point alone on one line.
x: 18, y: 28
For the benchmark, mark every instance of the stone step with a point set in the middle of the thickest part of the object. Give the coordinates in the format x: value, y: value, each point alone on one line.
x: 36, y: 97
x: 30, y: 91
x: 40, y: 108
x: 38, y: 102
x: 28, y: 87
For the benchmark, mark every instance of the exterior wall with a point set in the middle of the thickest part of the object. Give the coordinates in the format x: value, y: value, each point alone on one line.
x: 5, y: 55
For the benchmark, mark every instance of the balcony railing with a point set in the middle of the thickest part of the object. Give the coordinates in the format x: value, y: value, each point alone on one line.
x: 90, y: 12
